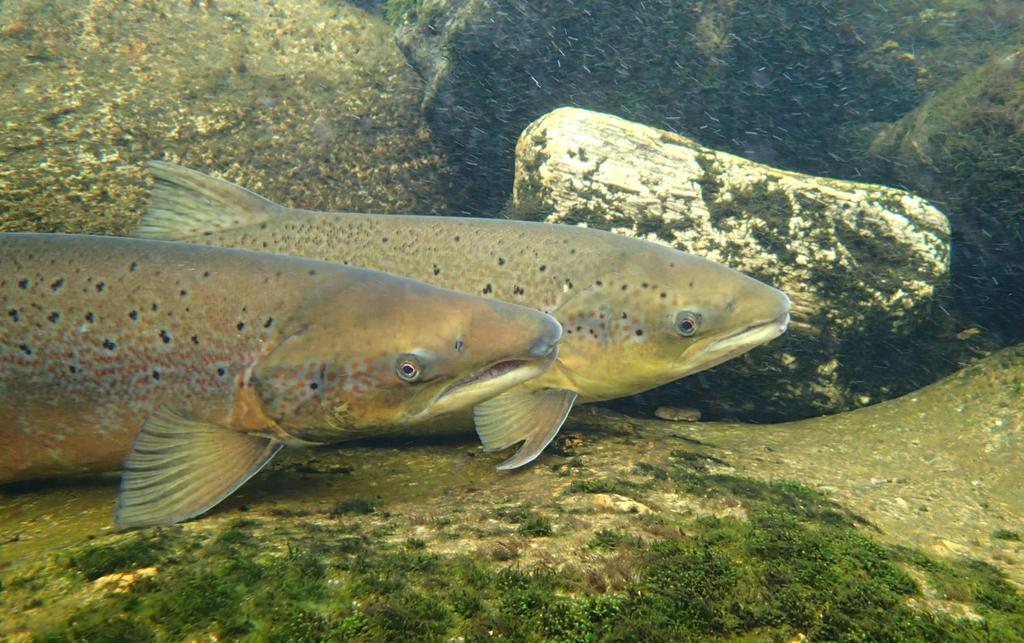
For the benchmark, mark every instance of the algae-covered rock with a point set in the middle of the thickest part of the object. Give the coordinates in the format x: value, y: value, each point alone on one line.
x: 306, y: 102
x: 963, y: 147
x: 779, y: 81
x: 896, y: 522
x: 862, y: 263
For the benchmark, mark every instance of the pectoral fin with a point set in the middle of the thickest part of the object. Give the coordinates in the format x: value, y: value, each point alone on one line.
x: 179, y: 468
x: 533, y: 418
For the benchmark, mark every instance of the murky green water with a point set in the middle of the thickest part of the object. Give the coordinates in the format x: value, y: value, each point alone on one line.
x: 860, y: 477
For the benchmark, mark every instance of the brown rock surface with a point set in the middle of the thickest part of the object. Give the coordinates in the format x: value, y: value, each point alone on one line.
x: 308, y: 103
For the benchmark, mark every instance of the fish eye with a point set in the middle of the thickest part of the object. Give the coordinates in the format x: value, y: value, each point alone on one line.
x: 687, y: 323
x: 408, y: 368
x: 459, y: 345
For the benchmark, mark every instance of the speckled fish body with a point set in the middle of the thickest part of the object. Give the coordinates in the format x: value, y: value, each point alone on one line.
x: 636, y: 314
x: 98, y: 334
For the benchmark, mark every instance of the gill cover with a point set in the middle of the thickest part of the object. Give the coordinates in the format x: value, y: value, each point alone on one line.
x: 294, y: 382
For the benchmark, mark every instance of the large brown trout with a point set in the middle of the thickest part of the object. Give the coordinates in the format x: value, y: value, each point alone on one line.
x: 636, y: 314
x: 222, y: 356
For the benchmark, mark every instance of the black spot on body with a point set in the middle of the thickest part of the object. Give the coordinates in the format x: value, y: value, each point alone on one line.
x: 457, y: 238
x: 109, y: 345
x: 23, y: 284
x: 270, y: 320
x: 240, y: 326
x: 55, y: 286
x: 72, y: 369
x: 13, y: 314
x: 314, y: 385
x: 437, y: 270
x: 54, y: 317
x: 195, y: 340
x: 100, y: 286
x: 487, y: 289
x: 164, y: 335
x: 155, y: 307
x: 624, y: 287
x: 221, y: 371
x: 183, y: 292
x: 156, y: 374
x: 639, y: 332
x: 643, y: 285
x: 518, y: 291
x: 312, y: 272
x: 664, y: 295
x: 542, y: 268
x: 134, y: 265
x: 25, y: 349
x: 206, y: 274
x: 501, y: 261
x: 89, y: 317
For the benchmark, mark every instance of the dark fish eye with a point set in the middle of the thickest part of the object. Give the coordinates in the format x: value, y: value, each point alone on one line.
x: 408, y: 368
x: 687, y: 323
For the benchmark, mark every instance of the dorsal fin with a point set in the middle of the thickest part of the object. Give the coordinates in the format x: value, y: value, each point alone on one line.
x: 185, y: 204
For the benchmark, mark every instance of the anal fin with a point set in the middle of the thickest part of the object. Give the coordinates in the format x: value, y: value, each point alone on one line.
x: 530, y: 417
x: 179, y: 468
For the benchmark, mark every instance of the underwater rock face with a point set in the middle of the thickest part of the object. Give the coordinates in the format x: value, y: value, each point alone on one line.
x: 862, y: 263
x: 962, y: 147
x: 784, y: 82
x: 290, y: 97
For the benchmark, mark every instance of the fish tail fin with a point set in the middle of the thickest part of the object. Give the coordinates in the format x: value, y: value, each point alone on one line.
x: 185, y: 204
x: 179, y: 468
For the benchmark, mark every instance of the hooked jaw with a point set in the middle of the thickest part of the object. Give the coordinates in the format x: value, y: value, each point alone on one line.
x: 767, y: 325
x: 499, y: 376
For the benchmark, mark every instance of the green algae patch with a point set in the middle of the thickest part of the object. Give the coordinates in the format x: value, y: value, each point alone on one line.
x: 797, y: 565
x: 125, y: 555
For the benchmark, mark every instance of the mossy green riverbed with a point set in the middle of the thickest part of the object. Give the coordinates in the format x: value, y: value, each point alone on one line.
x: 895, y: 522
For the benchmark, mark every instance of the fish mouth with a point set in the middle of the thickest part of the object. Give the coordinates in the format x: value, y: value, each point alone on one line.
x: 491, y: 372
x: 750, y: 335
x: 490, y: 381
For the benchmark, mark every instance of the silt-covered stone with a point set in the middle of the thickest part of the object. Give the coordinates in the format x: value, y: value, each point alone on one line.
x: 964, y: 147
x: 863, y: 263
x: 308, y: 103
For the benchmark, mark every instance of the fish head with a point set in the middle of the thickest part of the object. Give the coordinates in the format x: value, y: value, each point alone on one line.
x: 657, y: 314
x: 398, y: 353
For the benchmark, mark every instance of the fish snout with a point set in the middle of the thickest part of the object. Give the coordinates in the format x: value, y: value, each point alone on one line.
x: 783, y: 311
x: 548, y: 339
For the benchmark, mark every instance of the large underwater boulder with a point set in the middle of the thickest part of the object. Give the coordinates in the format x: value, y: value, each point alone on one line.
x: 785, y: 82
x: 307, y: 102
x: 964, y: 148
x: 862, y: 263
